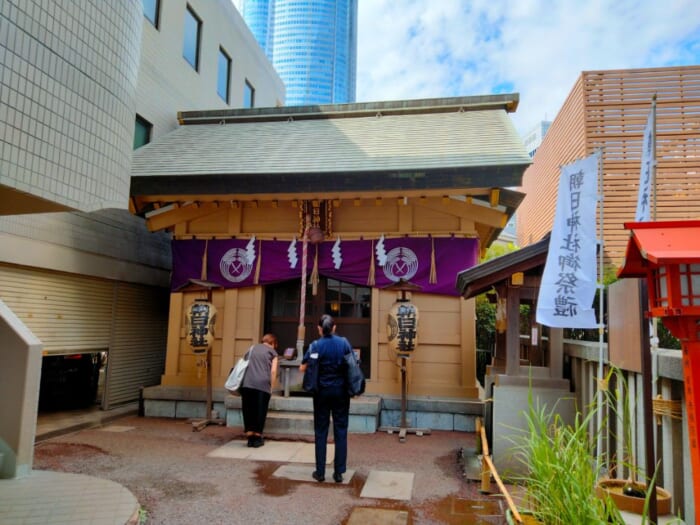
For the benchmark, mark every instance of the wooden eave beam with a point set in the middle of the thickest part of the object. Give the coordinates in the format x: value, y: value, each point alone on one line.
x: 168, y: 219
x: 466, y: 210
x: 142, y: 200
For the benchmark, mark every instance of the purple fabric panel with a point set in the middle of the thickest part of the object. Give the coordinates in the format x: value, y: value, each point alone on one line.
x: 275, y: 265
x: 356, y: 257
x: 411, y: 257
x: 408, y: 258
x: 187, y: 262
x: 453, y: 255
x: 231, y: 263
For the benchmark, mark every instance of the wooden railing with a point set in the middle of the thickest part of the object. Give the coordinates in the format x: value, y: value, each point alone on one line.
x: 674, y: 473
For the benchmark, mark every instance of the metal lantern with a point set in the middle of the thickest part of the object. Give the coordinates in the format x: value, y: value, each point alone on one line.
x: 402, y: 327
x: 201, y: 318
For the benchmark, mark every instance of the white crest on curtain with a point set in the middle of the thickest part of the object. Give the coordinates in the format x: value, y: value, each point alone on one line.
x: 292, y: 253
x: 569, y: 281
x: 337, y: 254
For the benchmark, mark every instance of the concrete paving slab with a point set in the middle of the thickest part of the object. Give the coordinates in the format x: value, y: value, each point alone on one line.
x: 388, y: 485
x: 271, y: 451
x: 303, y: 473
x: 116, y: 428
x: 280, y: 451
x: 371, y: 516
x: 61, y: 498
x: 307, y: 454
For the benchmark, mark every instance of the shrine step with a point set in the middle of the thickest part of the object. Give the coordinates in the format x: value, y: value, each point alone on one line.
x: 294, y: 415
x: 294, y: 423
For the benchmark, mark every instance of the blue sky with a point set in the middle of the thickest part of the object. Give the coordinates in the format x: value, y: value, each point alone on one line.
x: 438, y: 48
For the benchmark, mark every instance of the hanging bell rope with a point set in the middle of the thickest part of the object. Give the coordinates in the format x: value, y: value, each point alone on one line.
x: 433, y: 268
x: 203, y: 273
x: 370, y: 273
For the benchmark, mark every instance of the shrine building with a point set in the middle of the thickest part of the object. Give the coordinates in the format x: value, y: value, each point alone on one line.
x: 410, y: 190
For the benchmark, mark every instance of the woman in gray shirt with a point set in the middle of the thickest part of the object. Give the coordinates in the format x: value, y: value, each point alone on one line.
x: 257, y: 388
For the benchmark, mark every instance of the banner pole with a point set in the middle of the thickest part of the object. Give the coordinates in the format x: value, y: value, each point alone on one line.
x: 654, y: 338
x: 647, y: 379
x: 601, y: 322
x: 653, y: 157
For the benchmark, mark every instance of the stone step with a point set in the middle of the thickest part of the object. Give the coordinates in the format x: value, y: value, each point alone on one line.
x: 367, y: 412
x: 299, y: 423
x: 302, y: 423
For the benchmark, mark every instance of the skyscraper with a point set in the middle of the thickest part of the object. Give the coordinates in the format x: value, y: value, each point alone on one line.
x: 533, y: 138
x: 312, y: 45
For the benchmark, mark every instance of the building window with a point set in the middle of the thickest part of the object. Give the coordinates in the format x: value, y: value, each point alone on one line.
x: 248, y: 95
x: 151, y: 10
x: 224, y: 75
x: 193, y: 30
x: 142, y: 132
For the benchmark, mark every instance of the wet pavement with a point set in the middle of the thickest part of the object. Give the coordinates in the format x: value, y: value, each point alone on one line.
x: 181, y: 476
x: 103, y: 468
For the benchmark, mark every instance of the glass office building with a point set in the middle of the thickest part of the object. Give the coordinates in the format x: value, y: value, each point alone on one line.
x: 312, y: 45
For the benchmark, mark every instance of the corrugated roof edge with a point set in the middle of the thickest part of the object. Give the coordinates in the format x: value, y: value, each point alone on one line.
x: 508, y: 102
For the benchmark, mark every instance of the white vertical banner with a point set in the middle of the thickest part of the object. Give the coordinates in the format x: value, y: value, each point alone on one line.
x: 569, y: 281
x: 643, y: 213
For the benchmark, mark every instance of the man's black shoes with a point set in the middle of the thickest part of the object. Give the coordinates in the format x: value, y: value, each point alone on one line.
x: 318, y: 477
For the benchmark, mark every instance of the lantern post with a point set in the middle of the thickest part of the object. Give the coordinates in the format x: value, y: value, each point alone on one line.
x: 667, y: 255
x: 201, y: 321
x: 402, y: 336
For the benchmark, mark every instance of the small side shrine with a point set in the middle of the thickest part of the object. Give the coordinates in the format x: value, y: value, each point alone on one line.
x: 667, y: 254
x: 520, y: 361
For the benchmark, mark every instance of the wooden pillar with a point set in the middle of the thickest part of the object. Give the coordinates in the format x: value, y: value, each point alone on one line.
x: 175, y: 321
x: 513, y: 331
x: 536, y: 353
x: 556, y: 353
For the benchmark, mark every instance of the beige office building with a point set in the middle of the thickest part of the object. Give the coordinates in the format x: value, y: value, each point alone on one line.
x: 82, y: 84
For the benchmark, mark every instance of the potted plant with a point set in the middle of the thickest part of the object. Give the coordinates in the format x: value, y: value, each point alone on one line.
x: 630, y: 494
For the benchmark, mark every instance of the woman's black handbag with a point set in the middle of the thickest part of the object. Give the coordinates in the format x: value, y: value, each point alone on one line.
x: 356, y: 379
x: 310, y: 381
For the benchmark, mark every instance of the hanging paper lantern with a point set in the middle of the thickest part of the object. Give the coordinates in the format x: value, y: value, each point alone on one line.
x: 201, y: 318
x: 402, y: 327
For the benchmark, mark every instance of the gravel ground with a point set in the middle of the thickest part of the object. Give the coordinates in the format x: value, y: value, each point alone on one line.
x: 164, y: 464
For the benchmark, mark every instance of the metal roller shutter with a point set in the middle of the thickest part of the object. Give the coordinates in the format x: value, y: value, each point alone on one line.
x: 138, y: 343
x: 69, y: 313
x: 74, y: 314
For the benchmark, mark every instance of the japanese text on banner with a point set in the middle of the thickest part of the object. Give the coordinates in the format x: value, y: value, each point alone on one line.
x: 570, y: 274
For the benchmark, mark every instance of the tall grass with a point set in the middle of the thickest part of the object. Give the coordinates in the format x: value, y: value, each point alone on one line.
x: 561, y: 471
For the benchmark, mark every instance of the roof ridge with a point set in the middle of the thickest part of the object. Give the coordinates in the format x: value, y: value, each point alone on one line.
x: 507, y: 102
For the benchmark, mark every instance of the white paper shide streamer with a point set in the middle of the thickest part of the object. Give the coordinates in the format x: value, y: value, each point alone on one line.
x: 337, y: 254
x: 380, y: 251
x: 292, y: 253
x: 250, y: 250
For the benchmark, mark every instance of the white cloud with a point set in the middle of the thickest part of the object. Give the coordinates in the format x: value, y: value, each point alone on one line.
x: 437, y: 48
